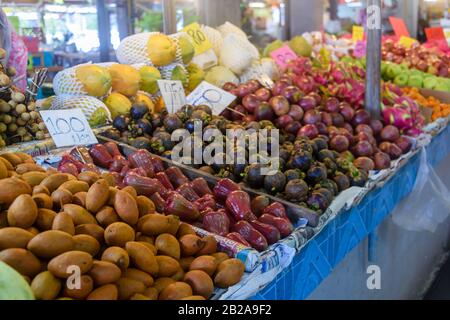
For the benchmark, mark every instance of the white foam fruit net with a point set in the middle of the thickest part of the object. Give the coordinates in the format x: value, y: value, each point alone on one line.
x: 87, y: 104
x: 215, y: 37
x: 236, y: 53
x: 133, y: 49
x: 229, y: 28
x: 66, y: 82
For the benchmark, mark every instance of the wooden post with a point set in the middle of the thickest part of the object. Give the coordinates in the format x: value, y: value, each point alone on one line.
x: 170, y: 18
x: 104, y: 30
x: 373, y: 59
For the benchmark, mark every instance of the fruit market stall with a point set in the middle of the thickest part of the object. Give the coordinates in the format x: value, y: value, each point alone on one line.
x: 142, y: 224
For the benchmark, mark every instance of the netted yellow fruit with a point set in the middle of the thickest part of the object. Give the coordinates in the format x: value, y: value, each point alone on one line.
x: 125, y: 79
x: 161, y: 50
x: 118, y: 104
x: 143, y: 99
x: 196, y: 76
x: 180, y: 73
x: 96, y: 80
x: 187, y: 49
x: 150, y: 77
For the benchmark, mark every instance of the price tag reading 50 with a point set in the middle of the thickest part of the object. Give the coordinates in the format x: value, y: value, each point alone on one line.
x: 68, y: 127
x: 199, y: 39
x: 283, y: 55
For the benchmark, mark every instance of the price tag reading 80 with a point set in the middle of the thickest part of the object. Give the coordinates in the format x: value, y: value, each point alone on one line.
x: 199, y: 39
x: 68, y: 127
x: 283, y: 55
x: 207, y: 94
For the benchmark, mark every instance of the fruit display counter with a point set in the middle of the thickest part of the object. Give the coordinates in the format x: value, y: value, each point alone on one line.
x: 141, y: 224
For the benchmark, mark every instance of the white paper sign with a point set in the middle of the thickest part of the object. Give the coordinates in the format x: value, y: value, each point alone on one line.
x: 68, y: 127
x: 207, y: 94
x: 173, y: 94
x: 206, y: 60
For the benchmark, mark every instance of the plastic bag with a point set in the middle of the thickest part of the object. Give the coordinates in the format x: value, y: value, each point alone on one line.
x: 428, y: 205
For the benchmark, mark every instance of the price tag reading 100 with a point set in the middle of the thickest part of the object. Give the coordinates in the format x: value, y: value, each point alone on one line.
x: 68, y: 127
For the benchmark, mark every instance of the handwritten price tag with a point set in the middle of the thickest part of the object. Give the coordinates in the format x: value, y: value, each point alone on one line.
x: 173, y: 94
x: 283, y: 55
x: 407, y: 41
x: 199, y: 39
x: 68, y: 127
x: 399, y: 26
x: 358, y: 33
x: 207, y: 94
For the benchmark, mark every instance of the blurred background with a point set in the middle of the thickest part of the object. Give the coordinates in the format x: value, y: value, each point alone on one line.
x: 61, y: 33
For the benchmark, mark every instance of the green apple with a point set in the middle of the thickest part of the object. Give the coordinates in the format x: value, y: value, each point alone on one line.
x: 393, y: 71
x: 441, y: 87
x: 430, y: 82
x: 415, y: 72
x: 401, y: 80
x: 415, y: 81
x: 384, y: 67
x: 347, y: 59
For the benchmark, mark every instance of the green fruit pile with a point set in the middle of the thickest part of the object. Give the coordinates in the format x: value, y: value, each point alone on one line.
x: 402, y: 76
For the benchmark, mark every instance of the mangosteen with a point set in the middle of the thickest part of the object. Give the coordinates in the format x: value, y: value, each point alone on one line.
x: 253, y: 125
x: 266, y: 124
x: 293, y: 174
x: 320, y: 144
x: 141, y: 143
x: 344, y: 165
x: 331, y: 166
x: 138, y: 111
x: 157, y: 121
x: 318, y: 201
x: 304, y: 145
x: 253, y: 176
x: 296, y: 190
x: 145, y: 125
x: 284, y: 154
x: 358, y: 178
x: 342, y: 181
x: 187, y: 110
x: 325, y: 154
x: 113, y: 134
x: 157, y: 145
x: 166, y: 139
x: 172, y: 123
x: 327, y: 193
x: 219, y: 162
x: 201, y: 115
x: 190, y: 124
x: 316, y: 174
x: 301, y: 160
x: 238, y: 170
x: 275, y: 183
x: 330, y: 185
x: 121, y: 123
x: 204, y: 108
